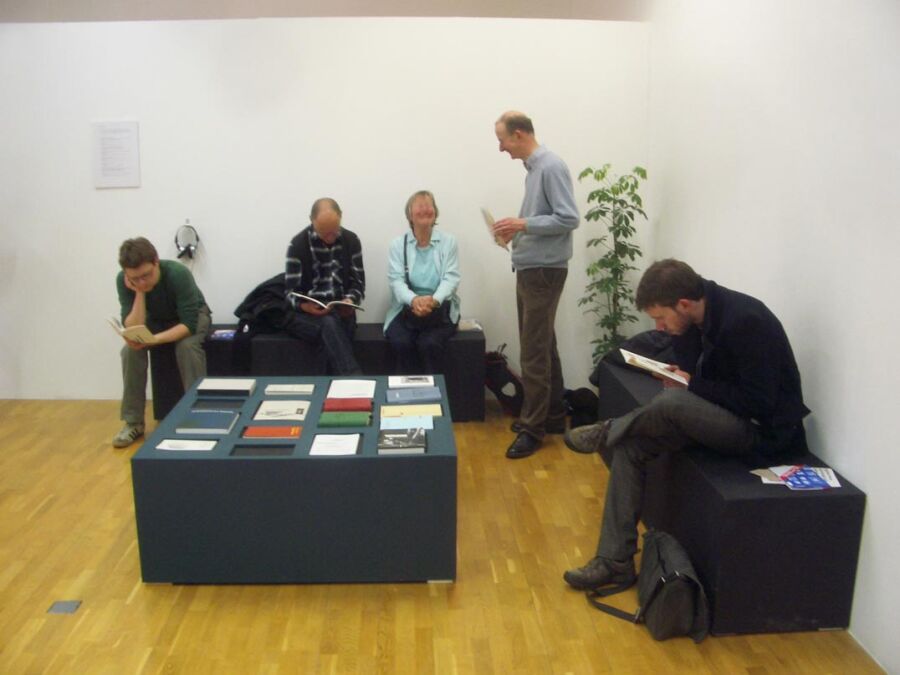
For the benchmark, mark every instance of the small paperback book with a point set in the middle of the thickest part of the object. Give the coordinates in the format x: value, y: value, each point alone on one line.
x: 411, y: 410
x: 138, y: 334
x: 351, y: 389
x: 332, y: 445
x: 347, y: 405
x: 413, y: 395
x: 296, y: 389
x: 186, y: 444
x: 326, y: 305
x: 280, y: 431
x: 401, y: 441
x: 207, y: 422
x: 345, y: 419
x: 409, y: 381
x: 293, y: 410
x: 655, y: 367
x: 227, y: 386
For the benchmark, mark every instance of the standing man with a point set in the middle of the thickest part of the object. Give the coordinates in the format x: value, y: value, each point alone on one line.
x: 324, y: 261
x: 541, y: 247
x: 161, y: 295
x: 742, y: 396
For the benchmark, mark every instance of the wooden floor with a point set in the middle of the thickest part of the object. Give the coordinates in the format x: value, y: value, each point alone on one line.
x: 67, y: 533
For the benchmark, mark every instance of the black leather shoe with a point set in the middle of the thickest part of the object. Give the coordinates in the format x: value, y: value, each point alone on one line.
x: 601, y: 572
x: 524, y: 445
x: 551, y: 428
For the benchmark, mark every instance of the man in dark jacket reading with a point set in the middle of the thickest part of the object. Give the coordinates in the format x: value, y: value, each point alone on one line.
x: 742, y: 395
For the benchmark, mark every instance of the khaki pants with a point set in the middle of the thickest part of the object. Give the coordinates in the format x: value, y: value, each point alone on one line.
x: 191, y: 360
x: 537, y: 296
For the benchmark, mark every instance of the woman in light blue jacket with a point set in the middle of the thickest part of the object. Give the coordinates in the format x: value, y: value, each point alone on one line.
x: 423, y: 274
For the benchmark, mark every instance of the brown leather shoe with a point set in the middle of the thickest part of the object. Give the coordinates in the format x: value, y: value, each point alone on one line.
x: 589, y: 438
x: 601, y: 572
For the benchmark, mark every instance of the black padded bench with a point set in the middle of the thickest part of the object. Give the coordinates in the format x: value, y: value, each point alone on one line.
x: 771, y: 559
x: 281, y: 354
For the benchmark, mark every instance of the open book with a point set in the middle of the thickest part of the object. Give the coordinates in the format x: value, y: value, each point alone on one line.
x: 489, y: 221
x: 134, y: 333
x: 655, y: 367
x: 326, y: 305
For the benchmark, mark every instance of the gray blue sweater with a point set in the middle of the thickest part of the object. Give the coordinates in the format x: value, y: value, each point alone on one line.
x: 550, y: 212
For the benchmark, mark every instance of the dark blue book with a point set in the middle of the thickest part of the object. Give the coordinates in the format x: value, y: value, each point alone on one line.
x: 207, y: 422
x: 414, y: 395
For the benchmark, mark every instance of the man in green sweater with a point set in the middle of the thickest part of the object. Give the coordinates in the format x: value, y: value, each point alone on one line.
x: 161, y: 295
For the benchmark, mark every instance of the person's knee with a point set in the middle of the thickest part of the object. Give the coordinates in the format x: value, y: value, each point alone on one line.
x: 672, y: 403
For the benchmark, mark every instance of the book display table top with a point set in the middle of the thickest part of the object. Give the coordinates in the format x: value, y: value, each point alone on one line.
x: 263, y: 510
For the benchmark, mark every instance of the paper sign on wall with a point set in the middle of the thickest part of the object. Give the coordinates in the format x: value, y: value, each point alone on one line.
x: 117, y: 156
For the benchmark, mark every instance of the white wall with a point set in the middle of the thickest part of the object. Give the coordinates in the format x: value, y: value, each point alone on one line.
x: 775, y: 132
x: 244, y: 123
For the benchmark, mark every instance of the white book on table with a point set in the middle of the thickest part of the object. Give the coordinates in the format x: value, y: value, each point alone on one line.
x: 333, y: 445
x: 352, y: 389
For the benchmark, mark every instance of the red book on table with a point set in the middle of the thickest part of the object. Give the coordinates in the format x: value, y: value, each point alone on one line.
x: 272, y: 432
x: 347, y: 405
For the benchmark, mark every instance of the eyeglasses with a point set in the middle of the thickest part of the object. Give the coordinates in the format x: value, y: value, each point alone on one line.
x: 141, y: 278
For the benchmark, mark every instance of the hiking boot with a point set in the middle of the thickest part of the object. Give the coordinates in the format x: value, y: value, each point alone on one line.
x: 128, y: 435
x: 558, y: 427
x: 602, y: 572
x: 589, y: 438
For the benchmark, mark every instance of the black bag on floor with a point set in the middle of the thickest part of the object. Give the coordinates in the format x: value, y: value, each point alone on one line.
x: 503, y: 382
x: 671, y: 598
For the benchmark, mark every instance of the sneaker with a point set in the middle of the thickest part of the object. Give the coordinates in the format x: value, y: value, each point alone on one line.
x: 588, y: 438
x: 128, y: 435
x: 558, y: 427
x: 601, y: 572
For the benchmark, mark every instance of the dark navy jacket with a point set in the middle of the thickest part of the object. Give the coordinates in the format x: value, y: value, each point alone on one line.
x: 747, y: 367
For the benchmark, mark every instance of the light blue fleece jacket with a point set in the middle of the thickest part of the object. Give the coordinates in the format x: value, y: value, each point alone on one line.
x: 550, y: 212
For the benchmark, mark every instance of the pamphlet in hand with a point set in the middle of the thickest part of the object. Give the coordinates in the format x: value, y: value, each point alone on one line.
x: 489, y: 221
x: 134, y: 333
x: 326, y: 305
x: 655, y: 367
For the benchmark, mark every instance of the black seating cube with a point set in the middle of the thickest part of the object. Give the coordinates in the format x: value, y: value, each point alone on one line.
x: 770, y: 559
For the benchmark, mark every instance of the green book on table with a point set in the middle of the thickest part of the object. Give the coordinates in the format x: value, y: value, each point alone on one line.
x: 345, y: 419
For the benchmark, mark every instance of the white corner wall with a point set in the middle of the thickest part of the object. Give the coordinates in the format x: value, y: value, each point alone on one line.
x: 244, y: 123
x: 775, y: 131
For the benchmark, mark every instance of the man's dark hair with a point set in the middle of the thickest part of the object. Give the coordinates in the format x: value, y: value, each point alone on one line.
x: 666, y: 282
x: 333, y: 205
x: 135, y: 252
x: 517, y: 121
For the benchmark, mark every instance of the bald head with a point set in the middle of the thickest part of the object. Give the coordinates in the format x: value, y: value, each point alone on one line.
x: 515, y: 133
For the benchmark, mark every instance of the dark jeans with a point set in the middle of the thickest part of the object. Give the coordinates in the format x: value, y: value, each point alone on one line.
x: 333, y: 337
x: 671, y: 421
x: 419, y: 350
x: 537, y: 297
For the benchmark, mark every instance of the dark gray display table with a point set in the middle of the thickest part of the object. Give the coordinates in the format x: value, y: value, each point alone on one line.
x: 211, y: 517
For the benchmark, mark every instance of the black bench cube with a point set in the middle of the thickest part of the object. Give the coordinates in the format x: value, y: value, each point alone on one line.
x: 771, y: 559
x: 274, y: 354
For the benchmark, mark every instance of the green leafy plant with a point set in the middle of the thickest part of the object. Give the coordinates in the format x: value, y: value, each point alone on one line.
x: 614, y: 203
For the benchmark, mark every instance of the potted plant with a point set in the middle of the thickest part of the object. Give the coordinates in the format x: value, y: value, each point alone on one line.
x: 614, y: 203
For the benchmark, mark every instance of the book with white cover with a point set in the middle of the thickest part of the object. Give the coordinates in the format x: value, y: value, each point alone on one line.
x: 351, y: 389
x: 655, y: 367
x: 280, y: 410
x: 299, y: 389
x: 410, y: 381
x: 227, y: 386
x: 334, y: 445
x: 326, y: 305
x: 186, y: 444
x: 489, y: 221
x: 418, y: 421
